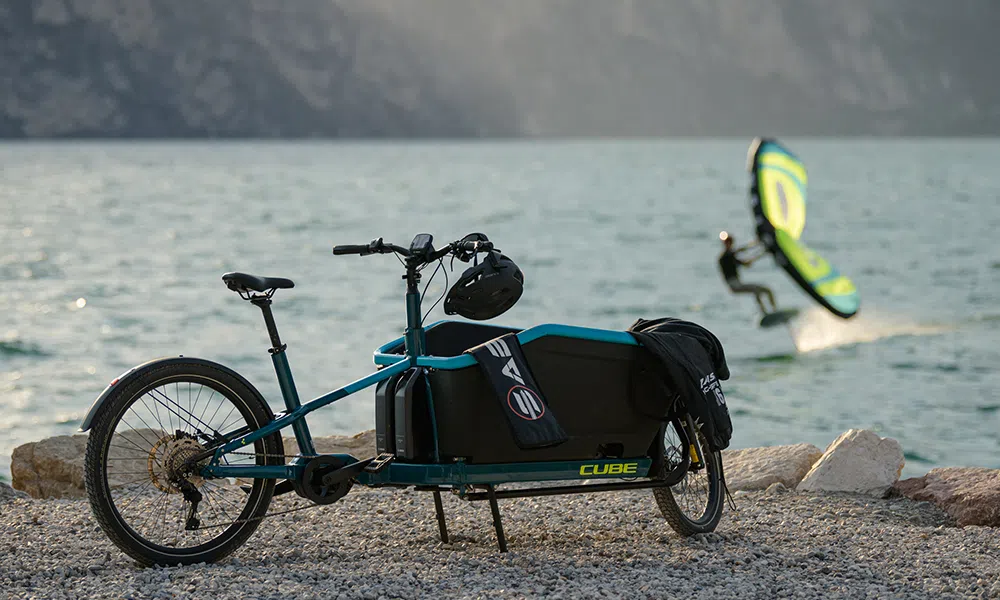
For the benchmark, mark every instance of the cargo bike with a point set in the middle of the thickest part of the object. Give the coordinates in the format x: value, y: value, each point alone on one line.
x: 184, y: 455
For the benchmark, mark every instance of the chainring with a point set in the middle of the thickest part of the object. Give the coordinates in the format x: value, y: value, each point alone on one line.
x: 312, y: 486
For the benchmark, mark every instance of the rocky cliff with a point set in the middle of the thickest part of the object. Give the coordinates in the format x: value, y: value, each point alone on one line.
x: 332, y: 68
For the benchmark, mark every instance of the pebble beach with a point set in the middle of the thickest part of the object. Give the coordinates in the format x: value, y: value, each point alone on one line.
x: 382, y: 543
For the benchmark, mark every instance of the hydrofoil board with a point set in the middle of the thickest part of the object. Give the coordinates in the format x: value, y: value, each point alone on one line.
x: 778, y: 317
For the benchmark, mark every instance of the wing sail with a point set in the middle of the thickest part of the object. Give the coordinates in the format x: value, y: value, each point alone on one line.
x: 780, y: 179
x: 816, y: 275
x: 778, y: 201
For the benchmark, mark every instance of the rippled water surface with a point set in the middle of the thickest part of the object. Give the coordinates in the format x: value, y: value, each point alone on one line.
x: 111, y: 254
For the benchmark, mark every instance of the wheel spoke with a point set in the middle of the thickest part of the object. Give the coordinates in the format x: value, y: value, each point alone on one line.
x: 693, y: 504
x: 145, y: 468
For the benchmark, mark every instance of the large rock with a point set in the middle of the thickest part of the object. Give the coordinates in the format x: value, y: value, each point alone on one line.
x: 758, y: 468
x: 51, y: 468
x: 859, y: 461
x: 970, y: 494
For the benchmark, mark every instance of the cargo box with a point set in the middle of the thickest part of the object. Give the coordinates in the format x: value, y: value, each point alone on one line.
x: 591, y: 387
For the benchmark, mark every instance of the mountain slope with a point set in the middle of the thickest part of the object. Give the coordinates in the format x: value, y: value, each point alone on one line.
x: 335, y: 68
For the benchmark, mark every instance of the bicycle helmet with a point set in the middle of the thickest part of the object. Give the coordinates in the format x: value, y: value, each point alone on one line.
x: 486, y: 290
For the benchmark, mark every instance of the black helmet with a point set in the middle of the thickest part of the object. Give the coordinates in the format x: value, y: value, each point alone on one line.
x: 486, y: 290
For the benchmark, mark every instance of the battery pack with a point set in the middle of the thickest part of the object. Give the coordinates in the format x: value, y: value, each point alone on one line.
x: 385, y: 396
x: 411, y: 423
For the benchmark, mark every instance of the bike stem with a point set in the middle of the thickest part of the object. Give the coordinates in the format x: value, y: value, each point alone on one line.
x: 284, y: 373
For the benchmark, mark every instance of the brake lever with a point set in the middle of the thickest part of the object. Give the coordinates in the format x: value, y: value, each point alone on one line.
x: 461, y: 253
x: 479, y: 246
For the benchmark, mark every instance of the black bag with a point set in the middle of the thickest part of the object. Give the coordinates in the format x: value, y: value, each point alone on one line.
x: 691, y: 363
x: 531, y: 420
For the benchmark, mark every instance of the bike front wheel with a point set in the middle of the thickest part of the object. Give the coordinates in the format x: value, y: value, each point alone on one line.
x: 145, y: 494
x: 694, y: 504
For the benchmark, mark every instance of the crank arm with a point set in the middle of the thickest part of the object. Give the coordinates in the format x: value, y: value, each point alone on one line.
x: 280, y: 488
x: 345, y: 473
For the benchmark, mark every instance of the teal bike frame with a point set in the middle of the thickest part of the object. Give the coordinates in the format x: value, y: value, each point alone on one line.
x: 456, y: 473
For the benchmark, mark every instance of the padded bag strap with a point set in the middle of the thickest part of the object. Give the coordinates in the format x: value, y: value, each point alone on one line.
x: 530, y: 418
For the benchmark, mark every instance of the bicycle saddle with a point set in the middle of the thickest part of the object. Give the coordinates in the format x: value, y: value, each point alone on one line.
x: 242, y: 282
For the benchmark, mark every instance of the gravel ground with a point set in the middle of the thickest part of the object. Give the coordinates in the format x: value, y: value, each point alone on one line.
x: 383, y: 543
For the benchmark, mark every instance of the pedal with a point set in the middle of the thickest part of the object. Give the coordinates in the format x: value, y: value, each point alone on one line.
x: 379, y: 462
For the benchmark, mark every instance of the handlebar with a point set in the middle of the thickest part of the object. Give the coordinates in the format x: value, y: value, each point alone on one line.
x: 462, y: 249
x: 373, y: 247
x: 351, y: 249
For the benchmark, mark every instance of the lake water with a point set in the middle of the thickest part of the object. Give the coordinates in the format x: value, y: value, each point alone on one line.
x: 111, y: 254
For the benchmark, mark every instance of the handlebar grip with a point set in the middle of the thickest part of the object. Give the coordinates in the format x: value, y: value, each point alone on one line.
x: 352, y: 249
x: 473, y: 246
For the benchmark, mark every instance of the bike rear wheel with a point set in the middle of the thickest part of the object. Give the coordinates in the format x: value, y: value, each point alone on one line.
x: 694, y: 504
x: 140, y: 486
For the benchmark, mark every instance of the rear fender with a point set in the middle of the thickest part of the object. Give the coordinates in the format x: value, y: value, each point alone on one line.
x: 138, y: 370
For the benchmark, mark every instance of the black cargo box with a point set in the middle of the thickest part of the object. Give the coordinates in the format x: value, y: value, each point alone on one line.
x: 589, y: 386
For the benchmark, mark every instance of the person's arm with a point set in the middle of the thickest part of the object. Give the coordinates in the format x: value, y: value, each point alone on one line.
x: 746, y: 262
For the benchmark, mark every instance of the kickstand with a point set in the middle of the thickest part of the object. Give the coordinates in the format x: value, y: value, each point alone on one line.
x: 442, y: 527
x: 501, y: 540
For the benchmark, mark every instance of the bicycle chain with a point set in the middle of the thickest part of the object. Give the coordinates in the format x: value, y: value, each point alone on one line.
x: 265, y: 455
x: 262, y: 517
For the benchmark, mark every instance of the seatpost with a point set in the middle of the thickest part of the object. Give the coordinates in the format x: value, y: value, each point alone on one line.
x: 264, y: 304
x: 284, y: 373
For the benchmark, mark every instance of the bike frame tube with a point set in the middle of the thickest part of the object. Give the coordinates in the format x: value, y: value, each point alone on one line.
x: 293, y: 416
x: 291, y: 397
x: 414, y: 337
x: 457, y: 473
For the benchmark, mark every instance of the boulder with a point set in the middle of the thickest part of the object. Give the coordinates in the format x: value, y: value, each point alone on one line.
x: 9, y: 493
x: 360, y: 445
x: 759, y: 468
x: 859, y: 461
x: 969, y: 494
x: 51, y: 468
x: 776, y: 489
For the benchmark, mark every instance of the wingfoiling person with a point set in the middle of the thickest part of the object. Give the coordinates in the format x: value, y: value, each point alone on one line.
x: 730, y: 262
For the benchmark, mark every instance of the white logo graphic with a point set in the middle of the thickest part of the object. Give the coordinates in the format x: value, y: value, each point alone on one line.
x: 511, y: 371
x: 525, y: 403
x: 710, y: 383
x: 522, y: 401
x: 499, y: 349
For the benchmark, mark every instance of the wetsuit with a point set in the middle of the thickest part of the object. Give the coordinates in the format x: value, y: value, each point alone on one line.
x: 729, y: 264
